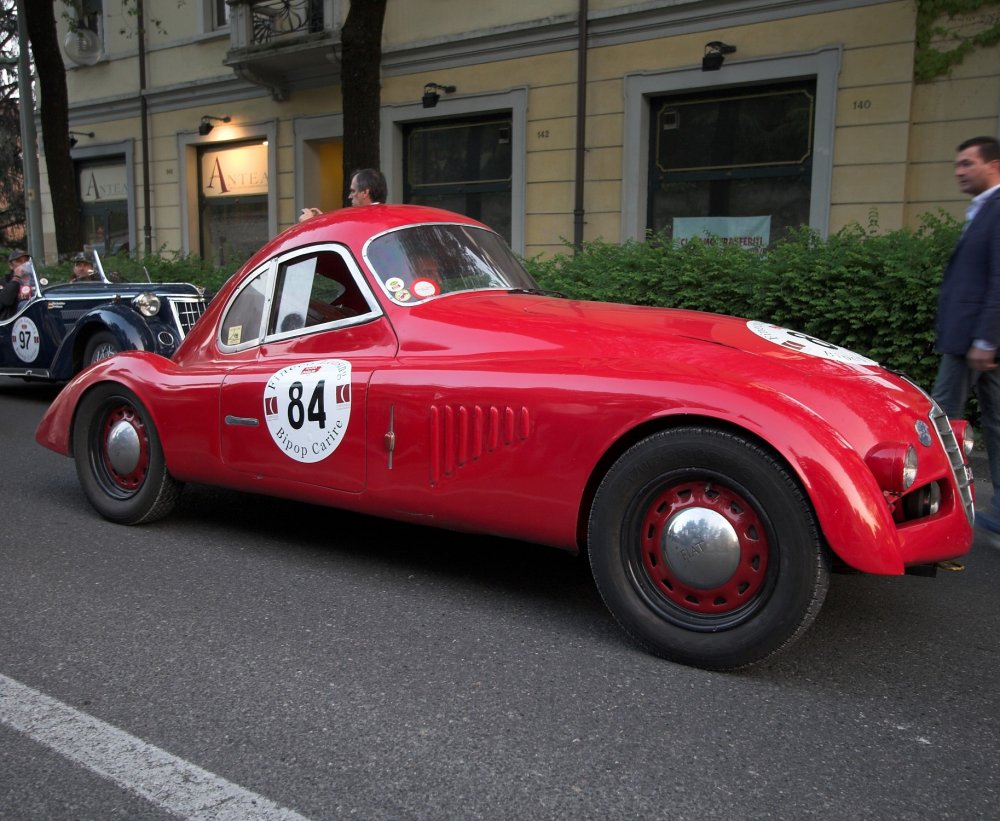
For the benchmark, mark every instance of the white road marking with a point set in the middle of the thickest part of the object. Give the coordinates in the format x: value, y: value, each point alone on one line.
x: 165, y: 780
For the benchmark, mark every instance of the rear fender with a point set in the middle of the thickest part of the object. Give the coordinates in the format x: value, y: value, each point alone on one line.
x: 134, y: 371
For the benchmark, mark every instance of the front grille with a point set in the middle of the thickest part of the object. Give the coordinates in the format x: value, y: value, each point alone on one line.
x: 963, y: 476
x: 187, y: 311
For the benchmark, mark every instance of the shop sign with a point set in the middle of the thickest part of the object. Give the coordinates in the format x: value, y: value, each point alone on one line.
x: 102, y: 183
x: 237, y: 171
x: 752, y: 233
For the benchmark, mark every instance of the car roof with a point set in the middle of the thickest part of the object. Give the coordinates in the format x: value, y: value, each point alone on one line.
x: 354, y: 226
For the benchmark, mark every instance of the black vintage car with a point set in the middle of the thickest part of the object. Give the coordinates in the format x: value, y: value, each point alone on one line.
x: 61, y: 329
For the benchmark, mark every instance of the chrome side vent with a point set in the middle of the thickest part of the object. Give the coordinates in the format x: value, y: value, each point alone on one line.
x: 963, y: 475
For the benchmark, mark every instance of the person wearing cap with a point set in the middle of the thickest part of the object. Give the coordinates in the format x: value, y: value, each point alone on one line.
x: 83, y: 269
x: 16, y: 285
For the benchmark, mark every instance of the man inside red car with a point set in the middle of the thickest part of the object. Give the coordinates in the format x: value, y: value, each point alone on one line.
x: 368, y: 187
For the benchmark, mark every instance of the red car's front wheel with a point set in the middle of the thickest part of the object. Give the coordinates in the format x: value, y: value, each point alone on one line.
x: 706, y: 549
x: 119, y: 458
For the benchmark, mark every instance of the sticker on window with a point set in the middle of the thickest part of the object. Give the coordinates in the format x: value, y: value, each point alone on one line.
x: 307, y: 408
x: 423, y: 288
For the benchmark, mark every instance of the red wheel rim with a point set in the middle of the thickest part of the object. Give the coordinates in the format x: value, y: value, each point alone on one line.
x: 748, y: 543
x: 124, y: 449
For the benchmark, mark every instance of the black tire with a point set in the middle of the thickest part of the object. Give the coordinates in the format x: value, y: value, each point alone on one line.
x: 100, y: 346
x: 119, y: 458
x: 706, y: 549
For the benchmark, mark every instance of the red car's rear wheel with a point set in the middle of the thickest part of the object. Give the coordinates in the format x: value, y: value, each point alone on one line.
x: 119, y: 458
x: 706, y: 550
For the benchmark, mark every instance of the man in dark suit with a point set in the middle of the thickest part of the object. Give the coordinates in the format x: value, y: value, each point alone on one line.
x: 968, y: 323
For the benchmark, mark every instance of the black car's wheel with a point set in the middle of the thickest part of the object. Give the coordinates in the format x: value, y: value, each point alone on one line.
x: 706, y: 549
x: 119, y: 458
x: 100, y: 346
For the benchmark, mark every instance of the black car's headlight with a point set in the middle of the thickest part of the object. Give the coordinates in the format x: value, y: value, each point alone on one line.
x: 147, y: 304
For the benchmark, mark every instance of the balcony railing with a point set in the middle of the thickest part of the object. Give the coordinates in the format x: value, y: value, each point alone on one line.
x: 258, y: 22
x: 283, y: 44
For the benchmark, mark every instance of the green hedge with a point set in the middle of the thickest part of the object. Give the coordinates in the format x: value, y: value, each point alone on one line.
x: 872, y: 292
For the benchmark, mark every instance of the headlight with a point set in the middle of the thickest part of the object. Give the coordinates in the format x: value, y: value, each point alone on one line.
x: 963, y: 434
x: 147, y: 304
x: 894, y: 465
x: 909, y: 467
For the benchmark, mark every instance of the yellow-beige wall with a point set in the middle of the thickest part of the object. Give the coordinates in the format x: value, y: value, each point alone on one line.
x: 893, y: 139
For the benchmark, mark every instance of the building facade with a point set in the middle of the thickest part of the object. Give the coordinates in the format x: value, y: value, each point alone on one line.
x: 554, y: 122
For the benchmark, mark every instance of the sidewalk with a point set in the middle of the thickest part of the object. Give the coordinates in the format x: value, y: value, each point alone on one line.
x: 980, y: 466
x: 981, y: 475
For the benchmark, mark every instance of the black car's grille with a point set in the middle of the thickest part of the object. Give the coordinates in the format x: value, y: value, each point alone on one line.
x: 187, y: 311
x: 963, y: 476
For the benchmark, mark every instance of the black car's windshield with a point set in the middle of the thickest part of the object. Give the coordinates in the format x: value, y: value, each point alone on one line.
x: 424, y: 261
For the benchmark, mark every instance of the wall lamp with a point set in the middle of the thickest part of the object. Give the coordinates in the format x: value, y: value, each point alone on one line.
x: 74, y: 134
x: 432, y: 93
x: 205, y: 127
x: 715, y: 54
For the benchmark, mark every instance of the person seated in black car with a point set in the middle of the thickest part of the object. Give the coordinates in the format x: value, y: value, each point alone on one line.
x: 83, y: 269
x: 17, y: 283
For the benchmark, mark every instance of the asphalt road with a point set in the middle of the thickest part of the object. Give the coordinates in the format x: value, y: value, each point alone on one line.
x: 334, y: 665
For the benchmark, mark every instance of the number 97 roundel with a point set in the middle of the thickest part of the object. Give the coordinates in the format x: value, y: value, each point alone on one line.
x: 307, y: 408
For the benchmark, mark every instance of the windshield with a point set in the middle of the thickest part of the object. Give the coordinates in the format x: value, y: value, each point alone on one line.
x: 30, y: 278
x: 86, y: 267
x: 424, y: 261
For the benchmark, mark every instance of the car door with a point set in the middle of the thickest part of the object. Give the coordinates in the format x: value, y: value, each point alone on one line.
x: 296, y: 411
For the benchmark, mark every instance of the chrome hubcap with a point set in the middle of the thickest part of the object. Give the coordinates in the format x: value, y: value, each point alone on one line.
x: 701, y: 547
x: 124, y: 448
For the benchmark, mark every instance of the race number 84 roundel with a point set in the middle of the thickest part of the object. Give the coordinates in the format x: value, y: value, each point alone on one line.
x: 307, y: 408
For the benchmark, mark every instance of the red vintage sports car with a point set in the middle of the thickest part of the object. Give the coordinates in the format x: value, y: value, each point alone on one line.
x: 400, y: 362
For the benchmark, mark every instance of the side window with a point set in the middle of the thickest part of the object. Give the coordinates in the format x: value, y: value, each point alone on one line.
x: 220, y: 14
x: 241, y: 325
x: 314, y: 290
x: 90, y: 15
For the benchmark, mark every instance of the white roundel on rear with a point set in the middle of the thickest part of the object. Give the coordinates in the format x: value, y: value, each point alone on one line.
x: 805, y: 344
x: 307, y: 408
